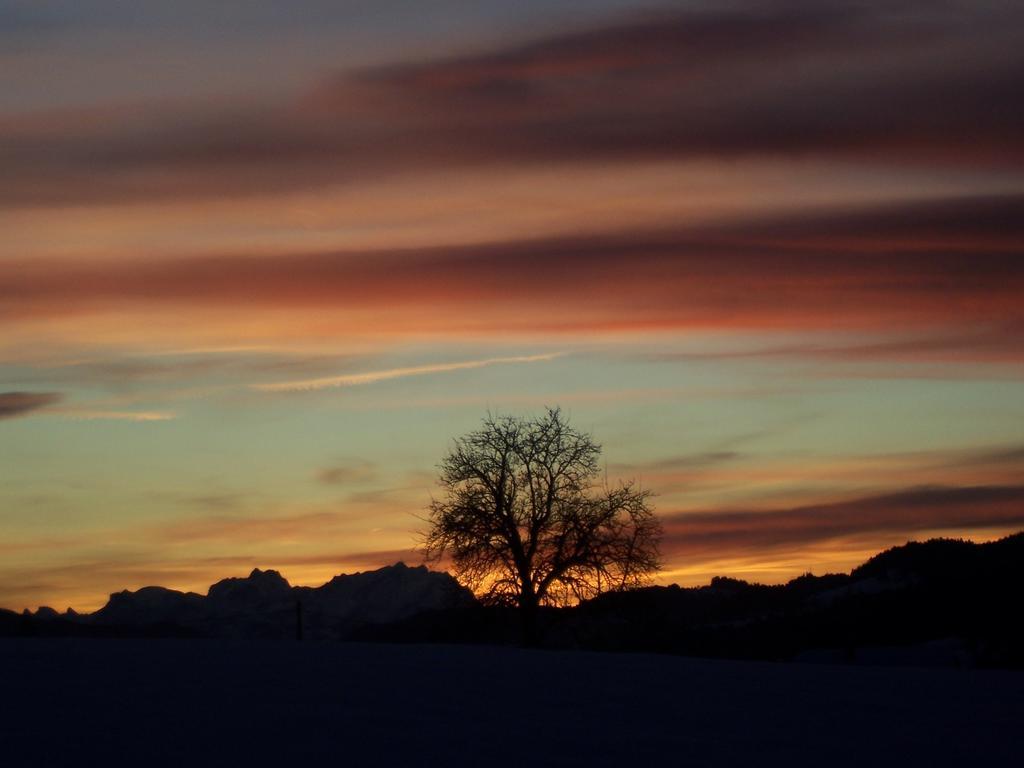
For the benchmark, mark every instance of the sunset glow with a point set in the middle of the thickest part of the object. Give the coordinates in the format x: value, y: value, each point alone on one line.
x: 255, y: 274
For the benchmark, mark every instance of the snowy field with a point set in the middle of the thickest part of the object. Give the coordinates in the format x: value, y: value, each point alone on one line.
x: 191, y: 703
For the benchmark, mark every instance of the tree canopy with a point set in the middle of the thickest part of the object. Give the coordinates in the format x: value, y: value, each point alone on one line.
x: 528, y: 517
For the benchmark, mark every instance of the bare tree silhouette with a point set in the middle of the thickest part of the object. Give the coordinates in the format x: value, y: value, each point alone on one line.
x: 527, y: 518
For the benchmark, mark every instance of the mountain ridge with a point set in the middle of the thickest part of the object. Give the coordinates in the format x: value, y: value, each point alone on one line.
x: 264, y: 604
x: 939, y: 602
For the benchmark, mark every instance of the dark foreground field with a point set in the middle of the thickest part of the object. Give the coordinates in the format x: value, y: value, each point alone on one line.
x: 193, y: 702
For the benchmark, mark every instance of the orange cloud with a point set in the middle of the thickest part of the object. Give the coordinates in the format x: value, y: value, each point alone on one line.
x: 846, y: 80
x: 762, y: 274
x: 903, y: 513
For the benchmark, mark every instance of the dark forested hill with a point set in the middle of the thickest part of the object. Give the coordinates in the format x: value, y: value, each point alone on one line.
x: 946, y: 602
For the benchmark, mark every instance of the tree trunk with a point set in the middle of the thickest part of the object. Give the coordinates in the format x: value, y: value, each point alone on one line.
x: 528, y: 611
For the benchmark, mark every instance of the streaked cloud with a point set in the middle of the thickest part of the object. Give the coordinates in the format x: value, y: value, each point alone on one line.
x: 247, y: 528
x: 15, y: 404
x: 164, y: 371
x: 372, y: 377
x: 848, y: 80
x: 347, y: 473
x: 871, y: 268
x: 723, y: 532
x: 85, y: 414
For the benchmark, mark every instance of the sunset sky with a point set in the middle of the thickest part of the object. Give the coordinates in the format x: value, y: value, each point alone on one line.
x: 260, y: 263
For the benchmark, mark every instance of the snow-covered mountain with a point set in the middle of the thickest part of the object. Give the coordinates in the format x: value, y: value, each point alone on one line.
x: 264, y: 604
